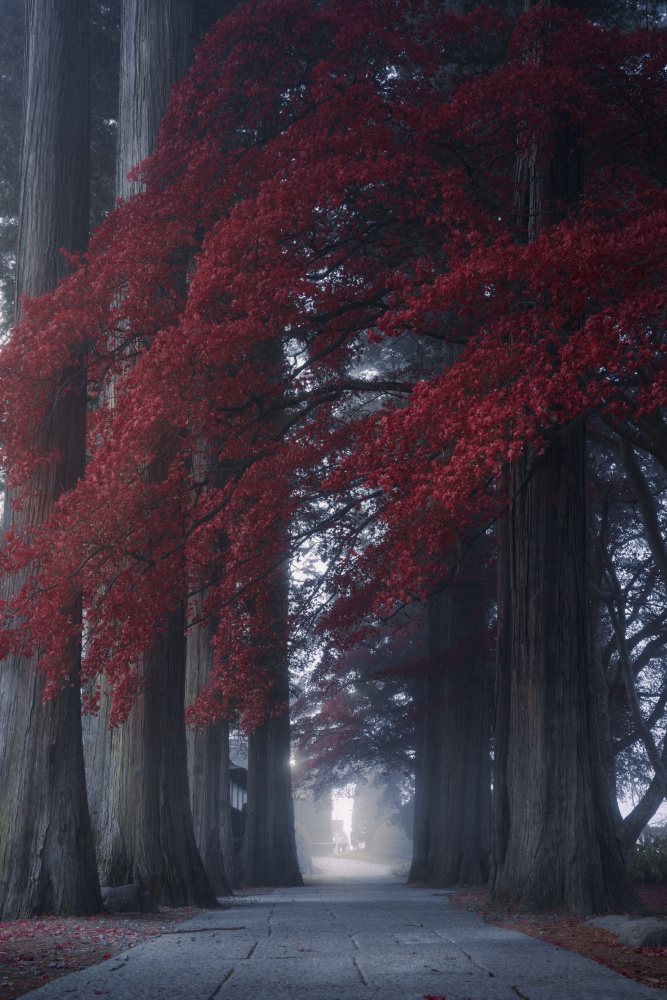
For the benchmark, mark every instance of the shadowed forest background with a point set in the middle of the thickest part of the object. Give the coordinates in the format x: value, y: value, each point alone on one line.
x: 339, y: 423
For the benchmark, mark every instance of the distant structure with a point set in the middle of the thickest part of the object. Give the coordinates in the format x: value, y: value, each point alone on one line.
x: 314, y: 818
x: 366, y: 818
x: 238, y: 795
x: 341, y: 840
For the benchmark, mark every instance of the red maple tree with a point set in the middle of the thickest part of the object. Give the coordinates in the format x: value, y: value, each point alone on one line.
x: 326, y: 178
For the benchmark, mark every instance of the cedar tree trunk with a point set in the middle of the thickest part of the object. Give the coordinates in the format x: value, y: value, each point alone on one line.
x: 208, y: 769
x: 165, y: 856
x: 555, y: 839
x: 142, y: 814
x: 141, y: 799
x: 146, y: 829
x: 155, y: 52
x: 47, y: 862
x: 269, y: 848
x: 555, y: 842
x: 269, y: 845
x: 208, y: 749
x: 452, y: 831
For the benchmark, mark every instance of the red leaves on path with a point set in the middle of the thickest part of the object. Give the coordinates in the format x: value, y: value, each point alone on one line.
x: 59, y: 946
x: 645, y: 965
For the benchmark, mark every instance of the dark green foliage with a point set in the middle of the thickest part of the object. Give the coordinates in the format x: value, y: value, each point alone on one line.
x: 649, y: 865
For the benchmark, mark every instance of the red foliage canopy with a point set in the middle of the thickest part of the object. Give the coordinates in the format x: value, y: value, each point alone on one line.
x: 327, y: 179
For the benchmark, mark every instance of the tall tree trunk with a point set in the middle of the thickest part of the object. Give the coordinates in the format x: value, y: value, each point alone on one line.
x: 555, y: 839
x: 47, y: 860
x: 148, y: 835
x: 269, y: 848
x: 155, y: 52
x: 452, y: 833
x: 141, y: 795
x: 165, y: 856
x: 101, y: 746
x: 501, y: 814
x: 208, y: 749
x: 269, y: 845
x: 208, y: 770
x: 556, y: 843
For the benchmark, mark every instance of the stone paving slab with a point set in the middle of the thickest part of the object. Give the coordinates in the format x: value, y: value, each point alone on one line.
x: 352, y: 934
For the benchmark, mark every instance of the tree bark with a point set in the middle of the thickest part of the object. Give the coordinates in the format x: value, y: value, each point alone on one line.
x: 140, y: 802
x: 555, y: 839
x: 100, y: 748
x: 556, y: 844
x: 155, y: 52
x: 141, y: 797
x: 147, y: 834
x: 166, y: 859
x: 208, y: 749
x: 47, y: 861
x: 501, y: 812
x: 269, y: 848
x: 208, y: 769
x: 55, y: 156
x: 269, y: 844
x: 452, y: 832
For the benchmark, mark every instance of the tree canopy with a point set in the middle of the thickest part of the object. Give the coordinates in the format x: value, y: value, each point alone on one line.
x: 326, y: 179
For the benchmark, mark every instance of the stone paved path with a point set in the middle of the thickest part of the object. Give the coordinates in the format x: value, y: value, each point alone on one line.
x: 352, y: 934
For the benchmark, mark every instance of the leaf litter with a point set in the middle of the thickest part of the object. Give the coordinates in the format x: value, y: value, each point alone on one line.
x: 557, y: 927
x: 36, y: 951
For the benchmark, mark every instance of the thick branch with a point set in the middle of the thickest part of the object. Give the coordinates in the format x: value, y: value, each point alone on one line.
x: 647, y: 506
x: 657, y: 761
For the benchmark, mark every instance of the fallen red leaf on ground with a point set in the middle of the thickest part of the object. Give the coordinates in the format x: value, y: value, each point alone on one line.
x: 645, y: 965
x: 61, y: 945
